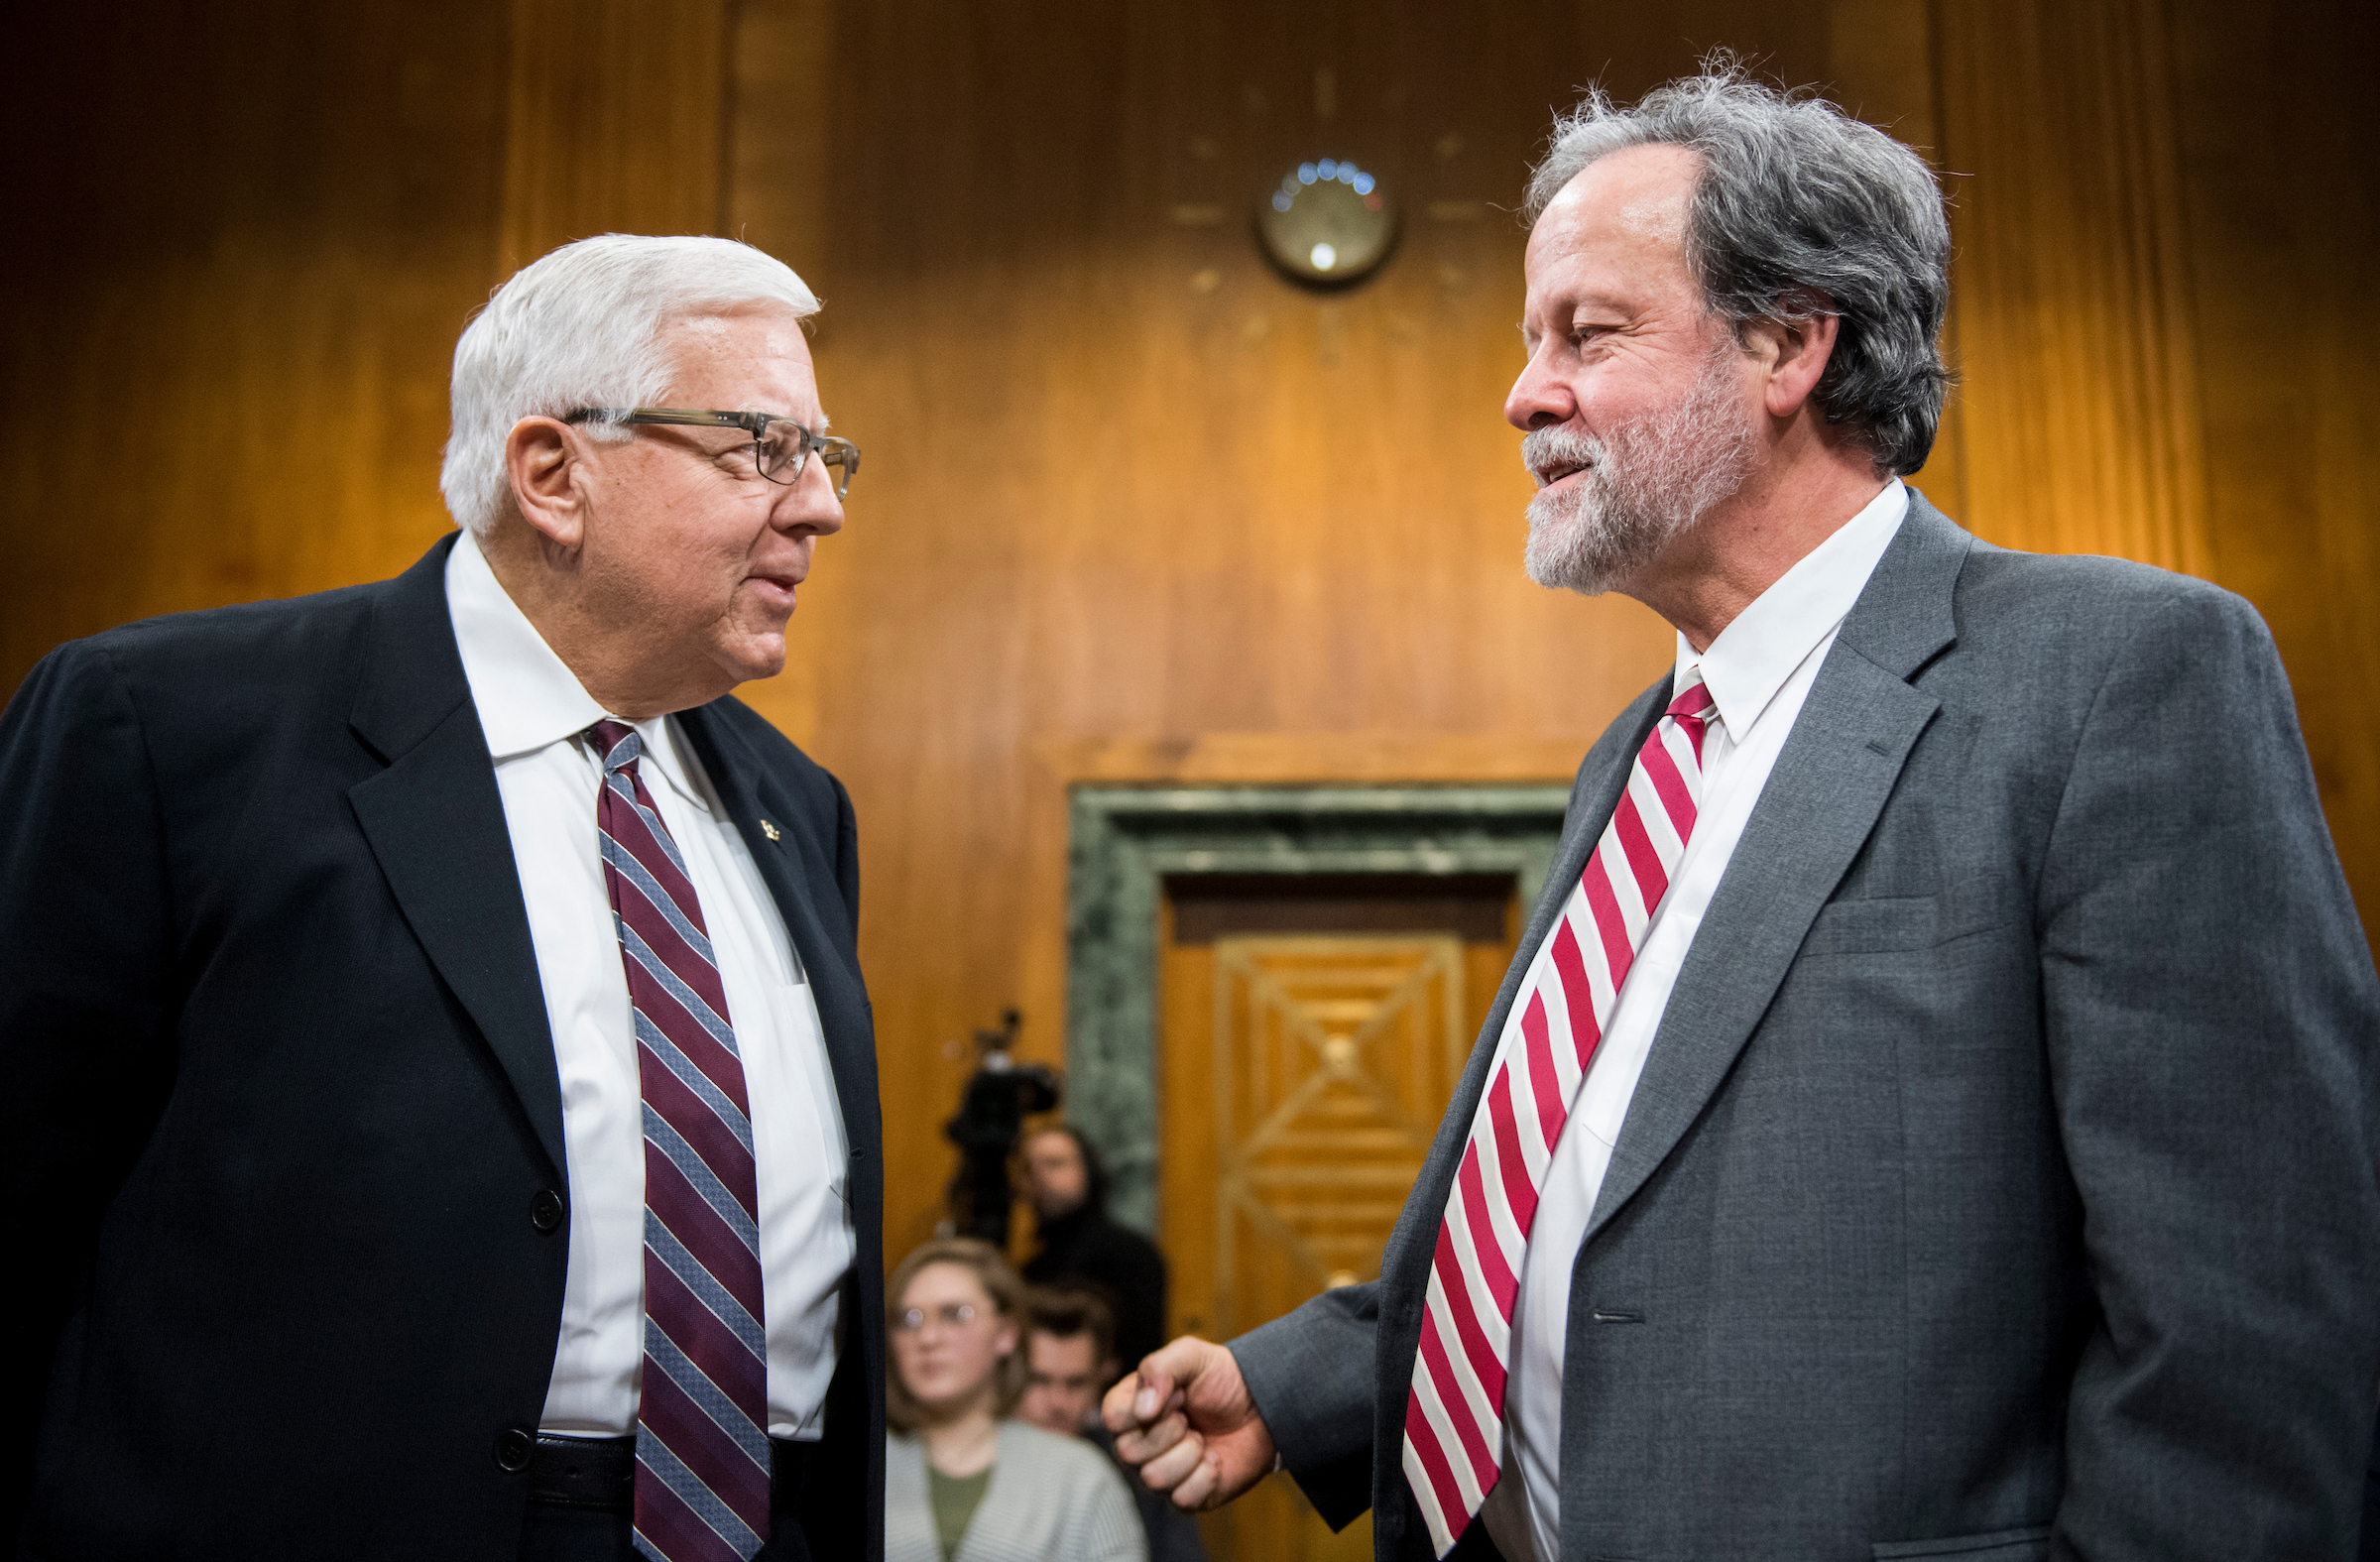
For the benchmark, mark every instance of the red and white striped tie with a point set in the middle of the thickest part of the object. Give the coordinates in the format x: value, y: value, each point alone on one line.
x: 1454, y: 1416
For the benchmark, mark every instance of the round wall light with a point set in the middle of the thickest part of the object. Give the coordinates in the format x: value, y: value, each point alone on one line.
x: 1328, y: 222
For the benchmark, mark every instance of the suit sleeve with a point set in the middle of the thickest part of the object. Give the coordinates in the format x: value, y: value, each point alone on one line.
x: 2212, y: 1018
x: 85, y: 1019
x: 1312, y: 1376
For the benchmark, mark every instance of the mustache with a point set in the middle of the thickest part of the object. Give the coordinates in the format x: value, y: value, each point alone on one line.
x: 1543, y: 450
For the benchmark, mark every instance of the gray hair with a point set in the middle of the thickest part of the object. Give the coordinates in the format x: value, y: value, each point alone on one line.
x: 585, y: 326
x: 1799, y: 212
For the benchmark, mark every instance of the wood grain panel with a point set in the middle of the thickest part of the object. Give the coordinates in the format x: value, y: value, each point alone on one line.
x: 1127, y: 487
x: 616, y: 122
x: 1884, y: 64
x: 1139, y: 509
x: 242, y: 242
x: 1305, y: 1075
x: 1136, y: 508
x: 2281, y: 205
x: 255, y: 235
x: 1331, y: 1060
x: 2081, y: 404
x: 781, y: 197
x: 2165, y: 250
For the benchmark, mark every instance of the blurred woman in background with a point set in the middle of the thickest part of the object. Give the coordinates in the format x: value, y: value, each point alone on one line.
x: 962, y: 1483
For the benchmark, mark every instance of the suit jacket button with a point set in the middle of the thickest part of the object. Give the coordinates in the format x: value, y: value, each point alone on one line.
x: 513, y: 1447
x: 546, y: 1211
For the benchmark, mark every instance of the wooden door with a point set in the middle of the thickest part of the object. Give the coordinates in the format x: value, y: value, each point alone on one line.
x: 1304, y: 1077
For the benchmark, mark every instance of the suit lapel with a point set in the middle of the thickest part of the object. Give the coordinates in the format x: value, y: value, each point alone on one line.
x: 798, y: 881
x: 436, y: 823
x: 1847, y: 749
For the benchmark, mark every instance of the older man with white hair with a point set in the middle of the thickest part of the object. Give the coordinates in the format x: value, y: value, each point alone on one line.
x: 1932, y: 1113
x: 446, y: 1106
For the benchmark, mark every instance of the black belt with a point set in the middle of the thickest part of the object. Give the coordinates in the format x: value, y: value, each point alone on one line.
x: 601, y: 1472
x: 584, y: 1472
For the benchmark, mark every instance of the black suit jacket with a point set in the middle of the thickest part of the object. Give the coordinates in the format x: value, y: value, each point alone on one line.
x: 284, y: 1091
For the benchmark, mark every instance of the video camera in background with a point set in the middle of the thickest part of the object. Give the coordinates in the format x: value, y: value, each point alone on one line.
x: 992, y: 1111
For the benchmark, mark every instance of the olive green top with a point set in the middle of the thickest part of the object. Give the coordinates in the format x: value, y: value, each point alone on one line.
x: 954, y: 1500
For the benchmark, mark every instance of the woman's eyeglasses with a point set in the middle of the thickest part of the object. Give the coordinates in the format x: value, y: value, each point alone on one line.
x: 950, y: 1315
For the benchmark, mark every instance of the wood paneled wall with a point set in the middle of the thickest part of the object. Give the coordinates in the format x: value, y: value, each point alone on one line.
x: 614, y: 121
x: 1135, y: 508
x: 241, y: 243
x: 2074, y: 328
x: 1135, y: 487
x: 2280, y: 195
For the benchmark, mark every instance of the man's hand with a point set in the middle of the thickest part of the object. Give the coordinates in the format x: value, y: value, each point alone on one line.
x: 1186, y: 1420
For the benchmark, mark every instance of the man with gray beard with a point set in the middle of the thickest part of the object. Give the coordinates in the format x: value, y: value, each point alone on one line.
x: 1654, y: 476
x: 1933, y: 1110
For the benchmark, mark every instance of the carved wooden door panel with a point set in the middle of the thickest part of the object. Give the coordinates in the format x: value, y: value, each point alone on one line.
x: 1300, y: 1105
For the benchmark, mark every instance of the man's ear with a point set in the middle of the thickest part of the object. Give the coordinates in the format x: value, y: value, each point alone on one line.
x: 541, y: 457
x: 1793, y: 354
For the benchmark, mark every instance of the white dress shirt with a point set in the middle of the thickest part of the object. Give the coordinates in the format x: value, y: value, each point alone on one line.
x: 1758, y: 670
x: 532, y: 709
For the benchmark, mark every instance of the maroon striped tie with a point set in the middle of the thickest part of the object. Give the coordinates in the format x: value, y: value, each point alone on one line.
x: 702, y: 1416
x: 1453, y: 1448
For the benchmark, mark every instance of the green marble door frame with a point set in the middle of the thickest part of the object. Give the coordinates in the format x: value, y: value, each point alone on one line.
x: 1125, y: 841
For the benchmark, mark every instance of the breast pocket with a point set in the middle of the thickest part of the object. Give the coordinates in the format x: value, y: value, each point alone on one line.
x: 2000, y: 1545
x: 1883, y: 924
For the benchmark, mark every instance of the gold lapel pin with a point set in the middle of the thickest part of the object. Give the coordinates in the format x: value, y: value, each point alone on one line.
x: 769, y: 830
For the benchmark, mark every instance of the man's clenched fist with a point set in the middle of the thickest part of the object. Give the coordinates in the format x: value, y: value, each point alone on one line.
x: 1186, y: 1421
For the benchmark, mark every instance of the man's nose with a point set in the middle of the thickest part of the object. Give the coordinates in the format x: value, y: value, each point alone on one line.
x: 810, y: 503
x: 1539, y: 399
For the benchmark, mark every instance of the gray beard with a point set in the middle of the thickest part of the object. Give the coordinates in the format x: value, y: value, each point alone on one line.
x: 1655, y: 477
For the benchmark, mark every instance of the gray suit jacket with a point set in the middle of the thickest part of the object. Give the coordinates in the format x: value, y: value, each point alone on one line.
x: 2002, y: 1180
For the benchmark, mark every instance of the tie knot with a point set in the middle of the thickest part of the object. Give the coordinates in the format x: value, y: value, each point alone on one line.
x: 1693, y: 702
x: 616, y: 744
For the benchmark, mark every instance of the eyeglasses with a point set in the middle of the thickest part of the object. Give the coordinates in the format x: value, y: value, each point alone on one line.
x: 951, y: 1315
x: 780, y: 448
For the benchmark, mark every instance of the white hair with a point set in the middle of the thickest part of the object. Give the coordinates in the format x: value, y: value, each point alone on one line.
x: 584, y: 328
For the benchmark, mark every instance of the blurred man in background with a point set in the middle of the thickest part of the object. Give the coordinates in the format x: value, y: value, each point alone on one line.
x: 1070, y: 1359
x: 1068, y: 1189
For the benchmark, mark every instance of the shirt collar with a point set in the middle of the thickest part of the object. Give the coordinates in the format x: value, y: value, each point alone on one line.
x: 1760, y: 649
x: 527, y: 699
